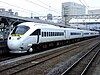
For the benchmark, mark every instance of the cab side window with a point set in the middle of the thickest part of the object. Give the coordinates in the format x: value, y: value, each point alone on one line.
x: 36, y: 32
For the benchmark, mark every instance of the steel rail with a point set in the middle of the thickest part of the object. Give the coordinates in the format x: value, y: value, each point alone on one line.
x: 55, y: 55
x: 79, y: 60
x: 33, y: 62
x: 90, y: 62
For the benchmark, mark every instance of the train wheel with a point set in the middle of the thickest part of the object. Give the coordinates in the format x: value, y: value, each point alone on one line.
x: 30, y: 50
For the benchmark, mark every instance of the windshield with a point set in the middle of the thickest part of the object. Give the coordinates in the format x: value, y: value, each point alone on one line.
x: 20, y: 30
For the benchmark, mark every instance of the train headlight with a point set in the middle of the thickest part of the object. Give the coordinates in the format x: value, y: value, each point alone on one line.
x: 21, y: 48
x: 9, y: 38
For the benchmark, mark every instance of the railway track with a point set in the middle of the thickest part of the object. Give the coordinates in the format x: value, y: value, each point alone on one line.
x: 22, y: 66
x: 33, y: 61
x: 82, y: 64
x: 7, y: 56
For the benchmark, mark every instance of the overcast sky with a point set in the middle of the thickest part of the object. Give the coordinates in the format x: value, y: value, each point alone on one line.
x: 42, y: 7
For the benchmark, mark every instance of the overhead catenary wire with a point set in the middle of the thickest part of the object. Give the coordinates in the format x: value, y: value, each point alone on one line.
x: 84, y: 4
x: 41, y: 6
x: 24, y: 10
x: 19, y: 7
x: 15, y: 9
x: 47, y: 5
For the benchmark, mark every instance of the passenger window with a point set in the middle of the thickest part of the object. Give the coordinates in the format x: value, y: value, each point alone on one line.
x: 44, y: 34
x: 47, y: 34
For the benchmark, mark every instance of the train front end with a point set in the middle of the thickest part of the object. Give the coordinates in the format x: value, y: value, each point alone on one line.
x: 15, y: 40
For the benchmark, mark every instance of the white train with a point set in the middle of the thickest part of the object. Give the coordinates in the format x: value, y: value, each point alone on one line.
x: 28, y: 36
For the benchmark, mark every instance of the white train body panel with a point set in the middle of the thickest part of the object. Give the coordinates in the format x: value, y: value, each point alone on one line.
x: 74, y: 33
x: 50, y: 35
x: 27, y: 34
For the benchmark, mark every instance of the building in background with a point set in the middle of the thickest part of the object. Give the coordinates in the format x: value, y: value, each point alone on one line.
x: 9, y: 12
x: 71, y: 8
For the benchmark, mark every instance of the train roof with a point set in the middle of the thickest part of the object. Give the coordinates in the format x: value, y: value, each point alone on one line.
x: 32, y: 24
x: 41, y: 25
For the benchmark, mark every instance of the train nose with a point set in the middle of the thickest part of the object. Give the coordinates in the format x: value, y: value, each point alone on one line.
x: 13, y: 45
x: 16, y: 46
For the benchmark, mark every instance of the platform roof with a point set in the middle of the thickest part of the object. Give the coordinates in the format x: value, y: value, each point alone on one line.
x: 12, y: 19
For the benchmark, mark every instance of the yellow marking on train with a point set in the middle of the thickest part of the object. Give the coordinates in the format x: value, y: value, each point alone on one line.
x: 16, y: 34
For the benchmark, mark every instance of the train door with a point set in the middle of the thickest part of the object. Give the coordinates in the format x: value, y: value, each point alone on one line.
x: 35, y: 36
x: 82, y: 34
x: 38, y: 34
x: 67, y: 34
